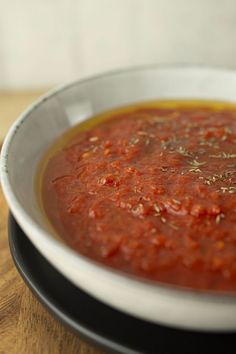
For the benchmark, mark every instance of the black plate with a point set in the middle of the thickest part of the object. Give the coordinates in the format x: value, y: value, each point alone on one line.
x: 99, y: 323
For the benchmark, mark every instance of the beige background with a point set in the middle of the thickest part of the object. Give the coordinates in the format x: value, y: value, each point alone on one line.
x: 48, y: 42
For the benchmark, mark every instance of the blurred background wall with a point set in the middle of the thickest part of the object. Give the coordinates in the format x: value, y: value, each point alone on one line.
x: 48, y: 42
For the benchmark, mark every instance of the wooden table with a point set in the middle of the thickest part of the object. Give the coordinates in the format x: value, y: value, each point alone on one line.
x: 25, y: 326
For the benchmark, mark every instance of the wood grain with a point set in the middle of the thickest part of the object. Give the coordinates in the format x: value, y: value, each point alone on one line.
x: 25, y: 325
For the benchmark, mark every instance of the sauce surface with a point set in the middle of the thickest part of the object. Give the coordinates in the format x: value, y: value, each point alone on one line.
x: 151, y: 191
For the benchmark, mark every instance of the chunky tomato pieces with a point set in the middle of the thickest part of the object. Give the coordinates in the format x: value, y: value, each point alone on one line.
x: 151, y: 192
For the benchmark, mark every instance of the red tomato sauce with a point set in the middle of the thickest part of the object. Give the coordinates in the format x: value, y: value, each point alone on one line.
x: 151, y: 192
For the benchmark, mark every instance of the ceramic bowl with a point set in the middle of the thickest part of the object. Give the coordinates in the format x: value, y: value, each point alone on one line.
x: 59, y: 110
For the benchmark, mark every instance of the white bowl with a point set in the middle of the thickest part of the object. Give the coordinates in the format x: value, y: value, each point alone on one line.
x: 56, y: 112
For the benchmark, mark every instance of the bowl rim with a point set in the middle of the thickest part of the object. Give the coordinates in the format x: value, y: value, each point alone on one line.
x: 58, y: 247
